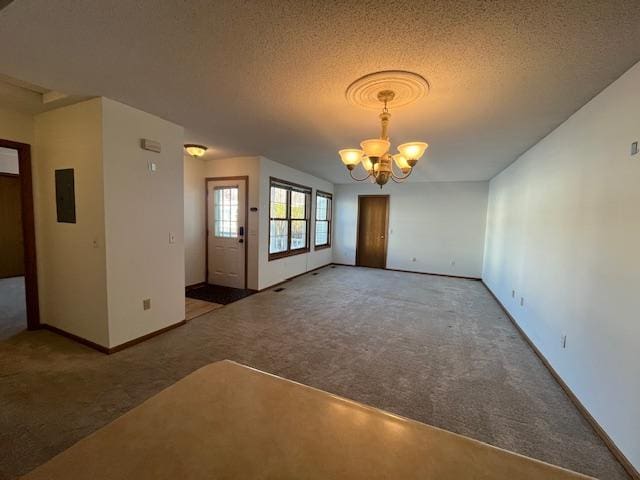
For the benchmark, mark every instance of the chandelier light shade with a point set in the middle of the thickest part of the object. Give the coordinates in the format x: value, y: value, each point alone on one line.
x: 376, y: 160
x: 195, y: 150
x: 401, y: 163
x: 412, y: 151
x: 367, y: 164
x: 350, y: 157
x: 375, y: 147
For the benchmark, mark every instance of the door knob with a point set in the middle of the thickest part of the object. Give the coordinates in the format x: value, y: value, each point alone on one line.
x: 241, y: 241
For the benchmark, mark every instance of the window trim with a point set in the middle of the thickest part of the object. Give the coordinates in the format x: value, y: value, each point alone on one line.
x: 320, y: 193
x: 290, y: 186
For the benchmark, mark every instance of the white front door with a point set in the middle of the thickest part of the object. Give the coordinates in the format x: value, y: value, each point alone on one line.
x: 226, y: 232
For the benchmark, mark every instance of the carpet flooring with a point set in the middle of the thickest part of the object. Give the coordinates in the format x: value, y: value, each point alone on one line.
x: 219, y: 294
x: 436, y: 349
x: 13, y: 313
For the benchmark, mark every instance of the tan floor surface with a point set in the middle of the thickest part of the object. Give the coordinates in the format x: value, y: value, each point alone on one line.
x: 195, y: 308
x: 226, y: 420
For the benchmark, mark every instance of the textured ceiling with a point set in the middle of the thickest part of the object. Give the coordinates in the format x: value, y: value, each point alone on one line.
x: 268, y: 77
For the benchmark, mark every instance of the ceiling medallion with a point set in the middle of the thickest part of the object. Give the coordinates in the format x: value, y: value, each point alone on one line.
x: 407, y: 87
x: 394, y: 89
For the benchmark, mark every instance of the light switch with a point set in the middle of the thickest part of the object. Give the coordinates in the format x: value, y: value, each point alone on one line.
x: 172, y: 237
x: 634, y: 148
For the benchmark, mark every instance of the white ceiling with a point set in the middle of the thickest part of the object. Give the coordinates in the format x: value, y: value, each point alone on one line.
x: 268, y: 77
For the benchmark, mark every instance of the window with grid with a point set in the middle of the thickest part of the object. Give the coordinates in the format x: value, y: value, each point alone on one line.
x: 289, y: 206
x: 225, y: 219
x: 323, y: 220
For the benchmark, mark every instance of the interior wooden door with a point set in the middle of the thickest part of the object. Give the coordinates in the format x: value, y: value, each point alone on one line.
x: 373, y: 219
x: 11, y: 242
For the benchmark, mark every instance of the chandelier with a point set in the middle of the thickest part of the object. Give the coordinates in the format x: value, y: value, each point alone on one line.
x: 374, y: 156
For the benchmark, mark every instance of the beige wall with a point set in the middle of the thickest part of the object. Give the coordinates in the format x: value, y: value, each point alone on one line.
x: 142, y: 210
x: 563, y: 234
x: 71, y: 257
x: 194, y: 221
x: 16, y: 126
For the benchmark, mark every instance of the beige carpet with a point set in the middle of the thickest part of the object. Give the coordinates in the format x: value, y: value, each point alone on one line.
x: 434, y: 349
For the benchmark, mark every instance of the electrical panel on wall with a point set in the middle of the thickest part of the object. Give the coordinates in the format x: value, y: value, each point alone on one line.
x: 65, y: 196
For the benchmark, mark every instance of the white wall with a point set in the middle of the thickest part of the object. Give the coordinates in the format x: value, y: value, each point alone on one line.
x: 275, y: 271
x: 142, y: 210
x: 194, y: 220
x: 563, y: 231
x: 93, y: 275
x: 71, y: 257
x: 437, y: 223
x: 261, y: 272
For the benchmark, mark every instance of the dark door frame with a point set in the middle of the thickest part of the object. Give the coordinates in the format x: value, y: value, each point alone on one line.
x: 28, y: 231
x: 246, y: 223
x: 386, y: 235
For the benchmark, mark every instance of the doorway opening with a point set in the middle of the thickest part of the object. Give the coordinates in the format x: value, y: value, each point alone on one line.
x: 18, y: 275
x: 373, y: 224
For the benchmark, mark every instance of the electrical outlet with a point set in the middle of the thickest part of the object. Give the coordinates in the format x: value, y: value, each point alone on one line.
x: 563, y: 340
x: 413, y: 259
x: 521, y: 301
x: 146, y: 304
x: 513, y: 294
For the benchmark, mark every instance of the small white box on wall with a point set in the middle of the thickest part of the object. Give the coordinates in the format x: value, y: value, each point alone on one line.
x: 150, y: 145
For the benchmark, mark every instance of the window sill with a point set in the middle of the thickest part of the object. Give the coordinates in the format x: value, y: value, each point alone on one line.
x: 322, y: 247
x: 290, y: 253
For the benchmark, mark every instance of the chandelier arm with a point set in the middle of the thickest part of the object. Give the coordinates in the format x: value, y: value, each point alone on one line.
x: 399, y: 178
x: 359, y: 179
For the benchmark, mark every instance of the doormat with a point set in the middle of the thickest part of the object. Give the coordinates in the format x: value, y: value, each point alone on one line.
x: 219, y: 294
